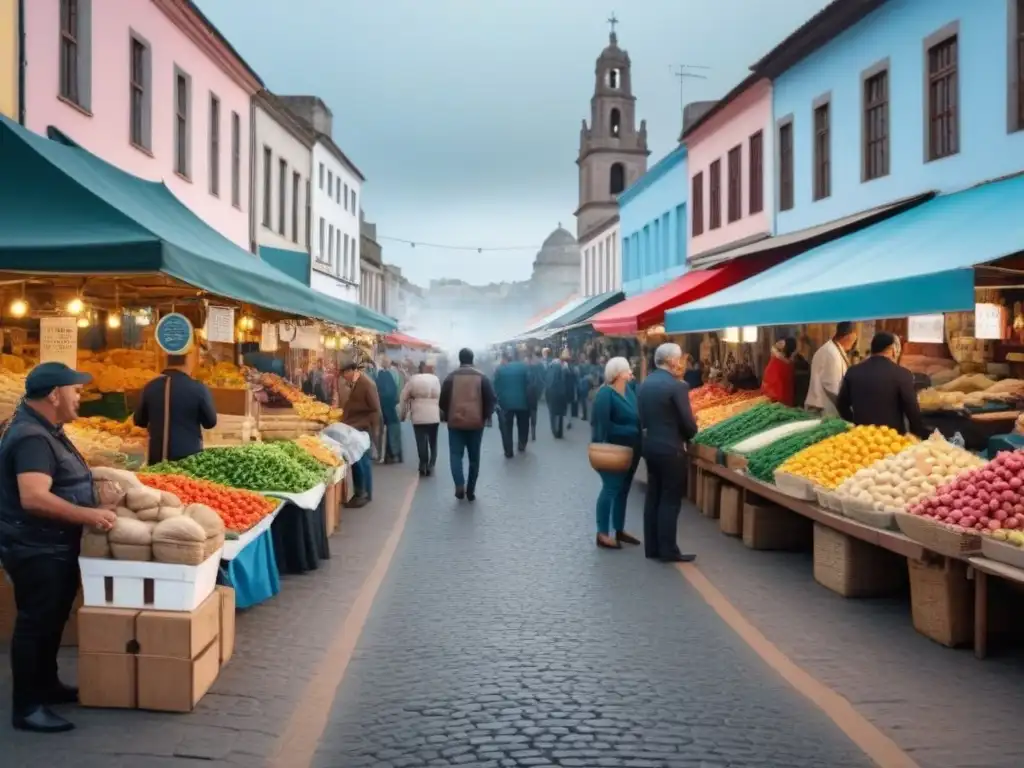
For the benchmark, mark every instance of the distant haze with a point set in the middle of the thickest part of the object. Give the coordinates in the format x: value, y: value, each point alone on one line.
x: 465, y: 114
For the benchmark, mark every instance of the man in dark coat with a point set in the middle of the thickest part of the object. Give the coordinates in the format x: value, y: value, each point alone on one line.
x: 511, y: 386
x: 880, y: 392
x: 538, y: 380
x: 668, y: 423
x: 186, y: 413
x: 572, y: 379
x: 555, y: 393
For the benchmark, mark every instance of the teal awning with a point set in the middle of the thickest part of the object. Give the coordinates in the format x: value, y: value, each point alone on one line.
x: 580, y: 314
x: 295, y: 264
x: 918, y: 262
x: 65, y: 210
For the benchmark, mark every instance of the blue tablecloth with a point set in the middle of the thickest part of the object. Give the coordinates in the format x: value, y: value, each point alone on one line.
x: 253, y: 573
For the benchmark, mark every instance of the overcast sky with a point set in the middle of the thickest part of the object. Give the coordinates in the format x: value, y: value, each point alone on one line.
x: 464, y: 115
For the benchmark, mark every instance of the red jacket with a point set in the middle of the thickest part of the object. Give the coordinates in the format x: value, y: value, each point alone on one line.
x: 777, y: 382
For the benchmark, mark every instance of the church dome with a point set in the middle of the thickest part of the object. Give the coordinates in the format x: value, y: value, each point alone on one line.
x: 560, y: 249
x: 612, y: 53
x: 559, y: 238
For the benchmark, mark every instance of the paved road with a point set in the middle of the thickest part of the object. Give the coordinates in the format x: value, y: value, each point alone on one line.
x: 503, y: 638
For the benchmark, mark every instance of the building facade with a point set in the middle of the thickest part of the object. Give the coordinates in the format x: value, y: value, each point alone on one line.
x: 334, y: 213
x: 730, y: 156
x: 653, y: 221
x: 281, y: 192
x: 403, y: 300
x: 10, y: 59
x: 876, y: 102
x: 153, y: 88
x: 601, y: 259
x: 613, y: 153
x: 372, y: 288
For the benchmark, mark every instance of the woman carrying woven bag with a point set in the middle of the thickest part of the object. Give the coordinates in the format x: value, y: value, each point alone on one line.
x: 614, y: 451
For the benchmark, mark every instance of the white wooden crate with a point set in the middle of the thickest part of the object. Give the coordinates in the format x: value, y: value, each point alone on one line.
x: 108, y: 583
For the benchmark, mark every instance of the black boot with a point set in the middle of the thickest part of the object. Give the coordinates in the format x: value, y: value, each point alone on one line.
x: 41, y: 720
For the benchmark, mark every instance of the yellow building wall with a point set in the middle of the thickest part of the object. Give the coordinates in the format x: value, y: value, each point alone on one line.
x: 9, y: 58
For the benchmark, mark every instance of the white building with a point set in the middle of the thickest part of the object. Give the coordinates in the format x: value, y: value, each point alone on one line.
x: 601, y: 260
x: 373, y: 281
x: 281, y: 194
x: 337, y: 186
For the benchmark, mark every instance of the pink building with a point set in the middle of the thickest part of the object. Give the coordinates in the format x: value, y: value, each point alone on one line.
x: 153, y: 88
x: 731, y: 157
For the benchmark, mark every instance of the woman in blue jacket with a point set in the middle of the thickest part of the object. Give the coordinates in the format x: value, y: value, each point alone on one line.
x: 615, y: 419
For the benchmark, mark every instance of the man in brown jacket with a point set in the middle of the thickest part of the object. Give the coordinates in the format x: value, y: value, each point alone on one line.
x: 467, y: 402
x: 362, y: 412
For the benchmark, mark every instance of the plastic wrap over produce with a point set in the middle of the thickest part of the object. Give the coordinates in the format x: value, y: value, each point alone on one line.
x: 353, y: 442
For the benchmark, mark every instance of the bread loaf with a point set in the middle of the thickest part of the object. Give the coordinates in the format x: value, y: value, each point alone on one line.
x: 168, y: 499
x: 166, y: 513
x: 211, y: 522
x: 95, y: 545
x: 179, y: 529
x: 129, y: 531
x: 142, y: 498
x: 150, y: 514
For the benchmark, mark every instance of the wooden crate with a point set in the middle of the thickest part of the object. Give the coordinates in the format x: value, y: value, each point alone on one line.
x: 709, y: 496
x: 769, y: 527
x: 698, y: 491
x: 730, y: 510
x: 853, y: 568
x: 942, y: 601
x: 234, y: 402
x: 692, y: 481
x: 332, y: 504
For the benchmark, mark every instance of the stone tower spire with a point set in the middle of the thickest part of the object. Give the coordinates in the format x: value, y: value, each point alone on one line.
x: 613, y: 153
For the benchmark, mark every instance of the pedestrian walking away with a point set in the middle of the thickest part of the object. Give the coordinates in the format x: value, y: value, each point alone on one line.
x: 667, y: 423
x: 389, y: 390
x: 571, y: 381
x: 537, y: 378
x: 467, y: 402
x: 615, y: 420
x: 512, y: 390
x: 555, y: 394
x: 421, y: 403
x: 47, y: 497
x: 362, y: 412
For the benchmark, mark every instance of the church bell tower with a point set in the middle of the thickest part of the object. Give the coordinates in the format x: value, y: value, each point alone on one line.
x: 613, y: 153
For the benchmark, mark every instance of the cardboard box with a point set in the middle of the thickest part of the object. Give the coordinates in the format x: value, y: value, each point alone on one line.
x: 227, y: 624
x: 176, y: 634
x: 176, y: 685
x: 107, y: 680
x: 107, y: 630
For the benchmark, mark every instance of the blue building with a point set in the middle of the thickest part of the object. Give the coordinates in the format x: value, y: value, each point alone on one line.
x: 880, y: 100
x: 652, y: 222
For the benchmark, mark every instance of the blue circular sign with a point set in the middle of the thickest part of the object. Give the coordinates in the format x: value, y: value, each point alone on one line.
x: 174, y: 334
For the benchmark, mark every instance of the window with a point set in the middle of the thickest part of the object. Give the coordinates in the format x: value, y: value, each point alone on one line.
x: 342, y: 258
x: 344, y: 201
x: 282, y: 194
x: 756, y: 172
x: 330, y: 243
x: 680, y: 236
x: 697, y: 196
x: 614, y: 122
x: 735, y: 210
x: 715, y: 193
x: 182, y: 123
x: 75, y: 51
x: 613, y: 79
x: 943, y: 99
x: 322, y: 252
x: 214, y: 145
x: 141, y: 105
x: 330, y: 184
x: 355, y: 208
x: 296, y: 180
x: 350, y: 267
x: 236, y: 160
x: 786, y: 166
x: 617, y: 178
x: 876, y: 125
x: 1018, y: 56
x: 822, y: 151
x: 321, y: 175
x: 309, y: 211
x: 267, y: 184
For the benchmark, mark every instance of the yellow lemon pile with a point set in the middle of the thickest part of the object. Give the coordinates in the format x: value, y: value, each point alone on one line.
x: 830, y: 462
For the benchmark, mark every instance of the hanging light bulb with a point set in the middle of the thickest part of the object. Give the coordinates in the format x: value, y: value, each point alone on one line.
x: 18, y: 308
x: 114, y: 320
x: 83, y: 321
x: 75, y: 306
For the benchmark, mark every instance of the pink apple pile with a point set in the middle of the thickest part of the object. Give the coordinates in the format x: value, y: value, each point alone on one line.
x: 986, y: 499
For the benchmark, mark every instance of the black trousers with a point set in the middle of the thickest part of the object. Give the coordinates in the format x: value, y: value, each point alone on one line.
x: 45, y: 586
x: 514, y: 421
x: 426, y: 444
x: 533, y: 420
x: 666, y: 486
x: 579, y: 406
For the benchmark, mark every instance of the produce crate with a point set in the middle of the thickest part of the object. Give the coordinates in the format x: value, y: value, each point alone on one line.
x: 698, y: 491
x: 942, y: 601
x: 691, y: 480
x: 1002, y: 552
x: 149, y: 585
x: 736, y: 461
x: 794, y: 486
x: 768, y: 527
x: 709, y: 499
x: 853, y: 568
x: 730, y: 506
x: 829, y: 500
x: 937, y: 538
x: 705, y: 452
x: 234, y: 402
x: 864, y: 512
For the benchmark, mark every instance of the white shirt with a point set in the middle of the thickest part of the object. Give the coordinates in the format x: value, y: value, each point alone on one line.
x: 828, y: 367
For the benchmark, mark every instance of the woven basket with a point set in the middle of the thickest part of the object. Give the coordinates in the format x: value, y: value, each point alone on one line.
x: 730, y: 507
x: 865, y: 512
x: 937, y: 538
x: 607, y: 457
x: 179, y: 552
x: 853, y: 568
x: 942, y: 601
x: 1002, y: 552
x: 794, y: 486
x: 140, y: 553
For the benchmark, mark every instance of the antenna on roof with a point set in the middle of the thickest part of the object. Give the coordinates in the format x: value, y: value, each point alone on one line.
x: 682, y: 72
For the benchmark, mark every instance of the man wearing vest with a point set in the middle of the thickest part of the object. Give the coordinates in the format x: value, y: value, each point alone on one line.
x: 467, y: 402
x: 46, y: 499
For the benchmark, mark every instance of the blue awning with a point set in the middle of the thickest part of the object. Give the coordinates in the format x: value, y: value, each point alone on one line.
x: 918, y: 262
x: 591, y: 306
x: 295, y: 264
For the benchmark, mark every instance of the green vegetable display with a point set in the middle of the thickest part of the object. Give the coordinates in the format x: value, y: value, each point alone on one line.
x: 737, y: 428
x: 253, y: 467
x: 294, y: 451
x: 762, y: 463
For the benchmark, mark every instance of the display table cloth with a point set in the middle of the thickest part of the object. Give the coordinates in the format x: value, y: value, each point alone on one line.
x: 300, y: 538
x: 253, y: 572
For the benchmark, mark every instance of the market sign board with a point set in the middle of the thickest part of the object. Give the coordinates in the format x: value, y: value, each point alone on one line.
x: 988, y: 321
x: 58, y: 340
x: 220, y: 325
x: 174, y: 334
x: 926, y: 329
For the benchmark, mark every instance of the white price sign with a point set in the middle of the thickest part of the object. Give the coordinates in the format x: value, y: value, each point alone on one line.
x: 58, y: 340
x: 268, y: 337
x: 926, y: 329
x: 307, y: 337
x: 220, y: 325
x: 988, y: 321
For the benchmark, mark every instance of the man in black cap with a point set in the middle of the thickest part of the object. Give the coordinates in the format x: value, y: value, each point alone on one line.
x: 46, y: 498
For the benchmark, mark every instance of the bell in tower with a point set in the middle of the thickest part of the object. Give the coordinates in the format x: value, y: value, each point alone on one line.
x: 613, y: 153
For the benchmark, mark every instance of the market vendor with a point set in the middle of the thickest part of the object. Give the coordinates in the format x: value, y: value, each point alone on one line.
x: 880, y: 392
x: 777, y: 381
x: 176, y: 417
x: 46, y: 498
x: 828, y: 367
x: 362, y: 412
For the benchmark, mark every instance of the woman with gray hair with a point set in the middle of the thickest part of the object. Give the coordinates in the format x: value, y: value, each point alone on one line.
x: 615, y: 420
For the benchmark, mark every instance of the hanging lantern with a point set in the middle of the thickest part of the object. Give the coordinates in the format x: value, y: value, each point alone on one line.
x: 18, y: 308
x: 75, y: 306
x: 114, y: 320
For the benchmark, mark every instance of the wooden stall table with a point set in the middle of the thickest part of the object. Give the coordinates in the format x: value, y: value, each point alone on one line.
x: 981, y: 569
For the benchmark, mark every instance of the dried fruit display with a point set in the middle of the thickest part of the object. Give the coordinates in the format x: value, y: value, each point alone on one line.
x: 730, y: 406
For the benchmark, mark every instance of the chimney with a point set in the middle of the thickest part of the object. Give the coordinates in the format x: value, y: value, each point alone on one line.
x: 312, y: 111
x: 694, y: 111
